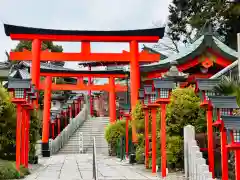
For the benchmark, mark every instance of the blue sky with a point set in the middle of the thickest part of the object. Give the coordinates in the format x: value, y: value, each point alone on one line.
x: 80, y: 15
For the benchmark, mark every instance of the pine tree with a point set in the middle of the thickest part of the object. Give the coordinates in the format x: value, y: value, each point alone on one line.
x: 188, y: 17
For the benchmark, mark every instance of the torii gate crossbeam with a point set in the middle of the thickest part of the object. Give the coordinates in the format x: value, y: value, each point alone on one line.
x: 133, y: 37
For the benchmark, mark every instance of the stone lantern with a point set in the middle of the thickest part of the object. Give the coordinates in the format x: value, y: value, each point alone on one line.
x: 18, y: 89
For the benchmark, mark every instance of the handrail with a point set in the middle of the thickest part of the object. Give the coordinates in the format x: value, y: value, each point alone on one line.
x: 80, y: 140
x: 95, y: 175
x: 56, y: 144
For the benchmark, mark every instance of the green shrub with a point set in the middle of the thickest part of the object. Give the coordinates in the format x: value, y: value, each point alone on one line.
x: 138, y: 117
x: 8, y: 127
x: 140, y: 149
x: 183, y: 109
x: 175, y: 156
x: 8, y: 170
x: 7, y: 124
x: 113, y: 133
x: 34, y: 136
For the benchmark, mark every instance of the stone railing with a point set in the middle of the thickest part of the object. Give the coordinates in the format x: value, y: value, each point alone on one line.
x: 56, y: 144
x: 194, y: 164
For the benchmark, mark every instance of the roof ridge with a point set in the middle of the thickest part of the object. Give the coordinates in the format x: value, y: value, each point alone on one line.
x: 225, y: 47
x: 179, y: 55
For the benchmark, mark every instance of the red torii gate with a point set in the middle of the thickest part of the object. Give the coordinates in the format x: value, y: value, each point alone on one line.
x: 133, y: 37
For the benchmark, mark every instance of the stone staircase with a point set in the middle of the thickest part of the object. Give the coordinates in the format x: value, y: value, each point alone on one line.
x: 91, y: 127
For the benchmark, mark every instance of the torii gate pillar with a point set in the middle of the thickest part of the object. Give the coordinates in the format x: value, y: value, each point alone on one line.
x: 134, y: 82
x: 112, y: 100
x: 46, y: 117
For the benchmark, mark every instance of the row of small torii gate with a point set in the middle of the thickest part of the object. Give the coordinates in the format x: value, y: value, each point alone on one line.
x: 161, y: 89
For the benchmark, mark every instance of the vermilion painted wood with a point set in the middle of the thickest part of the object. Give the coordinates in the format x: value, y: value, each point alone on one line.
x: 135, y: 83
x: 27, y: 137
x: 224, y: 153
x: 35, y: 70
x: 62, y: 87
x: 77, y: 38
x: 23, y: 136
x: 58, y: 125
x: 18, y: 138
x: 146, y: 120
x: 53, y: 130
x: 83, y: 75
x: 85, y: 47
x: 163, y: 140
x: 210, y: 140
x: 46, y: 110
x: 70, y: 112
x: 98, y: 57
x: 154, y: 137
x: 112, y: 100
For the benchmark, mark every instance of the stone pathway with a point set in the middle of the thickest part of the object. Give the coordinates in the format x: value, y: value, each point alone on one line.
x: 79, y: 166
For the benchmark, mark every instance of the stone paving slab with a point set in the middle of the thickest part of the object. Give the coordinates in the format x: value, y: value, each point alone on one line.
x: 79, y: 167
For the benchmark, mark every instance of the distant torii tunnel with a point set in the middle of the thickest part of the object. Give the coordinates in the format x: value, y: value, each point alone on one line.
x: 48, y: 86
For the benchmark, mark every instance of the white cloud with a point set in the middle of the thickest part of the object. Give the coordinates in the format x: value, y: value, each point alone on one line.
x: 81, y: 14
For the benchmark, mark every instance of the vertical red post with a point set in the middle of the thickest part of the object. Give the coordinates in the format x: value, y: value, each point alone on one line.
x: 163, y: 140
x: 65, y: 118
x: 224, y: 153
x: 90, y: 93
x: 135, y: 82
x: 23, y: 135
x: 76, y: 108
x: 53, y: 130
x: 35, y: 70
x: 112, y: 100
x: 154, y: 137
x: 46, y: 117
x: 70, y: 112
x: 35, y: 102
x: 27, y: 121
x: 18, y: 138
x: 127, y: 124
x: 146, y: 136
x: 210, y: 140
x: 80, y: 80
x: 58, y: 125
x: 101, y: 106
x: 237, y: 163
x: 86, y: 49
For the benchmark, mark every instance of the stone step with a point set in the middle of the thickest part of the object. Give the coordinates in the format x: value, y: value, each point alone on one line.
x: 90, y: 128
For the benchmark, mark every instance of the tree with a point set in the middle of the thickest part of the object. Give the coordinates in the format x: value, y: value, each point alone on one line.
x: 45, y: 45
x: 188, y: 18
x: 228, y: 86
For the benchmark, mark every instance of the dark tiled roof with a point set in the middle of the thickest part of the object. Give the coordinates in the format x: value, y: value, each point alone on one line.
x: 84, y: 71
x: 45, y: 66
x: 5, y: 65
x: 13, y: 29
x: 20, y: 73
